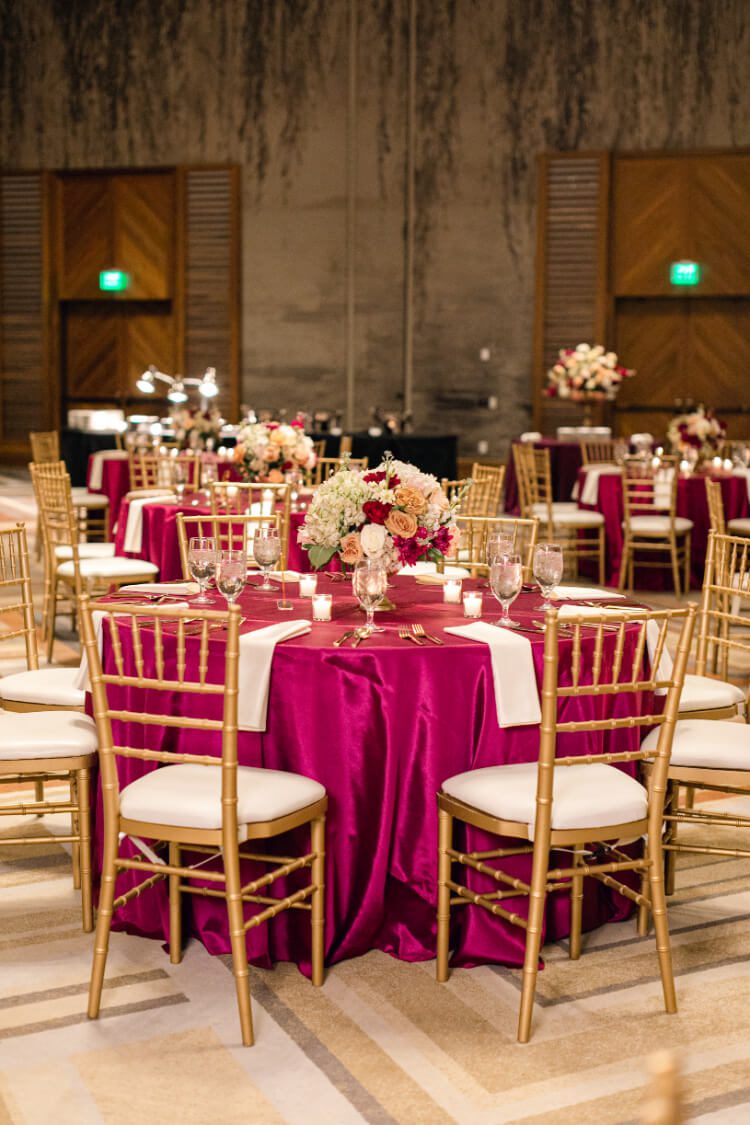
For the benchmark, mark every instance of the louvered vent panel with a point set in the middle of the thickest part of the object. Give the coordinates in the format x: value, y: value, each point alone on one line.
x: 22, y: 376
x: 209, y: 276
x: 572, y: 237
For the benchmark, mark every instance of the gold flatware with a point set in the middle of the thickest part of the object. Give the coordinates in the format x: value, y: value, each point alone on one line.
x: 405, y: 635
x: 360, y: 635
x: 344, y: 637
x: 419, y: 631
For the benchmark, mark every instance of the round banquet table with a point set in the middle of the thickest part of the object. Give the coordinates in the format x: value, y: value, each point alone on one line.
x: 691, y: 502
x: 565, y: 461
x: 381, y: 726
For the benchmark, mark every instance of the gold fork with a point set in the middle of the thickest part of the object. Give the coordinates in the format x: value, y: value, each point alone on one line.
x: 405, y: 635
x: 419, y: 631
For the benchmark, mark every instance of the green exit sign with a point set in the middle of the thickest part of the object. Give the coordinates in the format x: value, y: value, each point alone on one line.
x: 113, y: 281
x: 684, y: 273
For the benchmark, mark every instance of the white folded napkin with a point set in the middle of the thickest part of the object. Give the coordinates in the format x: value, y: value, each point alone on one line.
x: 185, y: 588
x: 516, y: 691
x: 97, y: 465
x: 531, y: 436
x: 288, y: 575
x: 256, y: 657
x: 576, y: 593
x: 134, y: 528
x: 427, y: 572
x: 590, y: 490
x: 653, y: 629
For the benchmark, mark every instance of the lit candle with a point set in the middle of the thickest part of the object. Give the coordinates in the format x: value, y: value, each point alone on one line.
x: 728, y: 464
x: 322, y: 605
x: 684, y: 466
x: 659, y: 450
x: 162, y: 450
x: 308, y: 584
x: 472, y: 604
x: 267, y: 502
x: 716, y: 462
x: 655, y: 462
x: 222, y: 452
x: 173, y: 452
x: 452, y: 591
x: 232, y: 492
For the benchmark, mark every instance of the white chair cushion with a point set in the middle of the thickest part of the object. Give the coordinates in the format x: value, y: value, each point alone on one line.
x: 116, y: 567
x: 52, y: 686
x: 658, y: 525
x: 739, y: 527
x: 82, y: 498
x: 190, y: 796
x: 701, y: 693
x: 568, y: 515
x: 45, y: 734
x: 590, y: 796
x: 712, y: 744
x: 87, y: 551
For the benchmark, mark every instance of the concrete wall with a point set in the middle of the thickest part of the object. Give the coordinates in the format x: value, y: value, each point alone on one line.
x: 96, y: 83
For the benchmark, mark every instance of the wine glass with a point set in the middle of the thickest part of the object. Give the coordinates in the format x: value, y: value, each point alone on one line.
x: 498, y: 543
x: 548, y: 569
x: 506, y: 577
x: 231, y: 573
x: 180, y: 472
x: 202, y: 564
x: 209, y: 473
x: 369, y: 583
x: 266, y: 552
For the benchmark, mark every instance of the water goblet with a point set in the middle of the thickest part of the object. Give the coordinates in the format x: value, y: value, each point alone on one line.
x: 369, y: 583
x: 209, y: 473
x: 202, y: 564
x: 266, y: 552
x: 498, y: 543
x: 506, y: 577
x: 180, y: 475
x: 231, y: 574
x: 548, y: 569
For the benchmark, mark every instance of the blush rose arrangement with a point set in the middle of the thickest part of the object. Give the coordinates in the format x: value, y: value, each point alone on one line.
x: 394, y: 512
x: 266, y: 451
x: 585, y: 370
x: 698, y: 433
x: 196, y: 428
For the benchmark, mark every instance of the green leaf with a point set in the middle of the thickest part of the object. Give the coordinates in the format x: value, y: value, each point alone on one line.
x: 319, y: 556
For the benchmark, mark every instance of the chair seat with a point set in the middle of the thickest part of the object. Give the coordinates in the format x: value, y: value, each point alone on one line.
x: 589, y: 796
x: 739, y: 527
x: 659, y: 525
x: 708, y: 744
x: 54, y: 687
x: 87, y: 551
x: 45, y: 734
x: 702, y: 693
x: 117, y: 567
x: 190, y: 796
x: 82, y: 498
x: 568, y: 515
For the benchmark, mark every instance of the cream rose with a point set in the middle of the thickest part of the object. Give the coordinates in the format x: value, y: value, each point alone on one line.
x: 402, y: 524
x: 351, y: 548
x: 372, y: 538
x: 440, y: 500
x: 410, y: 499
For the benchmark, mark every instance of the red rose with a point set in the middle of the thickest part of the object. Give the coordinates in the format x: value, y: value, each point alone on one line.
x: 376, y: 511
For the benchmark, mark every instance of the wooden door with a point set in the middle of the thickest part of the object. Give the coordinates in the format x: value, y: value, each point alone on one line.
x: 144, y: 232
x: 85, y: 228
x: 650, y: 224
x: 719, y: 353
x: 106, y: 348
x: 652, y: 337
x: 720, y: 223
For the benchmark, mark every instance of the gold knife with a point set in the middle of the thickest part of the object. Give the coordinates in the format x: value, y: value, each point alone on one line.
x: 344, y: 637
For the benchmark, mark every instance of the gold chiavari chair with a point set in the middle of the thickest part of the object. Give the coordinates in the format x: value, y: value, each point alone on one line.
x: 573, y: 802
x: 320, y: 448
x: 43, y: 734
x: 325, y: 467
x: 92, y: 507
x: 580, y: 531
x: 155, y: 470
x: 475, y: 533
x: 485, y: 491
x: 663, y: 1103
x: 708, y: 753
x: 71, y: 567
x: 599, y: 451
x: 229, y: 530
x: 716, y: 512
x: 194, y: 802
x: 253, y: 499
x: 345, y: 445
x: 651, y: 523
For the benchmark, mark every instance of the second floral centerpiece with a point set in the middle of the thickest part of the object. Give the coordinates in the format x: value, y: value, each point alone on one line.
x: 267, y: 451
x: 394, y: 513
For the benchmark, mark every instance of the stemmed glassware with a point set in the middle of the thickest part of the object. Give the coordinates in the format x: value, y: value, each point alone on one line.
x: 547, y: 569
x: 202, y: 560
x: 506, y: 577
x: 369, y: 583
x: 180, y: 471
x: 266, y: 552
x: 209, y: 474
x: 498, y: 543
x: 231, y: 574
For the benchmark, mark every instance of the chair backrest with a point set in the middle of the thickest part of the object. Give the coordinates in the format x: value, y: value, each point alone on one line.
x: 598, y: 451
x: 485, y: 494
x: 590, y: 669
x: 325, y: 467
x: 722, y: 625
x: 475, y: 532
x: 648, y: 489
x: 715, y: 506
x: 255, y: 499
x: 320, y: 448
x: 15, y: 583
x: 60, y: 525
x: 454, y: 488
x: 345, y: 445
x: 231, y: 532
x: 45, y: 446
x: 523, y: 461
x: 152, y: 653
x: 155, y: 470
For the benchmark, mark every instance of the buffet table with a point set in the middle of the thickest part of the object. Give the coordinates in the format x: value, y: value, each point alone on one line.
x: 380, y: 726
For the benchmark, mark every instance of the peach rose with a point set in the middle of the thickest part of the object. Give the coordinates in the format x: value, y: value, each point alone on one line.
x: 275, y: 477
x: 351, y: 548
x: 410, y: 499
x: 440, y: 500
x: 402, y: 524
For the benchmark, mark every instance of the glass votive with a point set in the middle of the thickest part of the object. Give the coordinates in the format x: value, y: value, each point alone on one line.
x: 684, y: 466
x: 322, y: 606
x: 452, y: 591
x: 728, y: 464
x: 716, y: 462
x: 308, y: 584
x: 266, y: 497
x: 472, y: 604
x: 222, y: 451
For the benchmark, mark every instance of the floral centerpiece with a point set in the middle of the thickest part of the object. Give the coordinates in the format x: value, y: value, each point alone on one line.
x: 394, y: 512
x: 196, y: 427
x: 696, y: 434
x: 266, y: 451
x: 586, y: 370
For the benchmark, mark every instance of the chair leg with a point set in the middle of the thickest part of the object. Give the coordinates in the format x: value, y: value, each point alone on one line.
x: 644, y: 908
x: 687, y: 562
x: 537, y: 901
x: 576, y: 908
x: 39, y: 791
x: 103, y: 919
x: 75, y: 851
x: 670, y: 835
x: 661, y: 925
x: 445, y: 841
x: 237, y: 937
x: 317, y: 914
x: 51, y: 621
x: 675, y: 566
x: 175, y: 906
x: 83, y: 789
x: 624, y: 564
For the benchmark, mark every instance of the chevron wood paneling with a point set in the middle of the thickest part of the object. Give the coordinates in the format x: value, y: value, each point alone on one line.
x: 719, y: 352
x: 92, y: 348
x: 720, y: 222
x: 149, y: 338
x: 144, y: 232
x: 24, y: 397
x: 653, y: 335
x: 650, y: 224
x: 85, y: 234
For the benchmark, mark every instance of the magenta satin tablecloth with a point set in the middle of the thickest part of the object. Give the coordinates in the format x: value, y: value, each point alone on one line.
x: 691, y: 502
x: 381, y: 727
